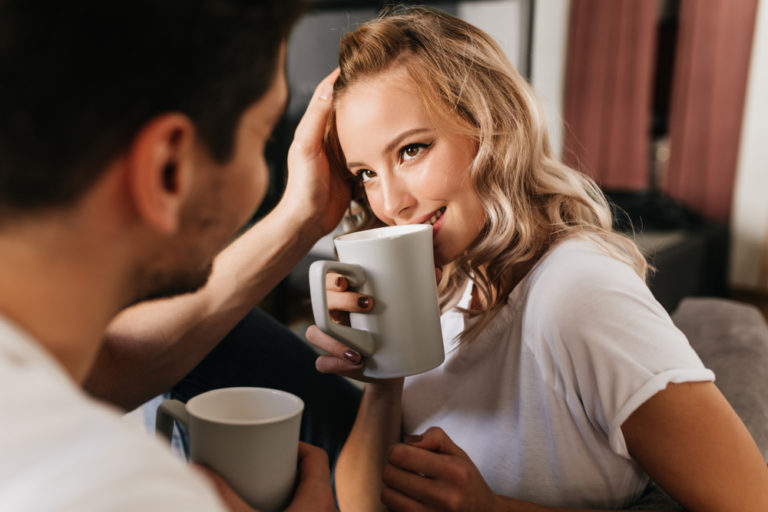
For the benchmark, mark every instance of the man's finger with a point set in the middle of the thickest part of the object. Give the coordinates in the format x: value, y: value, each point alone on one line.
x: 313, y: 463
x: 309, y: 132
x: 314, y: 490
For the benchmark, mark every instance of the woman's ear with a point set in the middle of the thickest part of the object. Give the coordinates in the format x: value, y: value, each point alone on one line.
x: 160, y: 163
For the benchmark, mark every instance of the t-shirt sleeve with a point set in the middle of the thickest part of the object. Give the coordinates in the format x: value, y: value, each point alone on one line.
x: 602, y: 339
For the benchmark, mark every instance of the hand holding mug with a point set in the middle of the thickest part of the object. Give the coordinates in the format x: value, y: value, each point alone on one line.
x: 342, y: 300
x: 401, y: 333
x: 249, y: 436
x: 313, y: 492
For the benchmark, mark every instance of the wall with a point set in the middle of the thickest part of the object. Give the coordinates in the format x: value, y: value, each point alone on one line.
x: 549, y: 41
x: 504, y: 20
x: 538, y: 52
x: 749, y: 217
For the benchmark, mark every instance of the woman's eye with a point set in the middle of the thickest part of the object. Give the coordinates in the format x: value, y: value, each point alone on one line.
x: 364, y: 175
x: 411, y: 151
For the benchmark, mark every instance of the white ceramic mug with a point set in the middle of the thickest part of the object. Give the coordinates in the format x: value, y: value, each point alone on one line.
x: 395, y: 265
x: 249, y: 436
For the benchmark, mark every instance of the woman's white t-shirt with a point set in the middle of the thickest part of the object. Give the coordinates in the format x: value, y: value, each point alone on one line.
x: 538, y: 399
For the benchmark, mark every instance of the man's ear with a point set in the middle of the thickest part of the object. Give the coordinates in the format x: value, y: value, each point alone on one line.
x: 160, y: 164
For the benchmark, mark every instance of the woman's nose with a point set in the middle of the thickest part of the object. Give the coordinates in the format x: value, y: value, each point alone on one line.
x: 397, y: 198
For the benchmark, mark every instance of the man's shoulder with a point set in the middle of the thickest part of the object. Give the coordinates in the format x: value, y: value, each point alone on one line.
x: 63, y: 450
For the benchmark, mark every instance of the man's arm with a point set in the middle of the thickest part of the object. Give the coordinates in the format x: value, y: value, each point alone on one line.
x: 151, y: 346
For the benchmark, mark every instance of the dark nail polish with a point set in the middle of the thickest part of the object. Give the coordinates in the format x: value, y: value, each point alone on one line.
x: 352, y: 356
x: 364, y: 302
x: 412, y: 439
x: 339, y: 282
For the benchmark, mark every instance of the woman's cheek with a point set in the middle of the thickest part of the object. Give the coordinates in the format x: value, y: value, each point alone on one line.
x: 374, y: 202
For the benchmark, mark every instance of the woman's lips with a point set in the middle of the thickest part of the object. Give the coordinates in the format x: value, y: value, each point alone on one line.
x: 438, y: 222
x: 436, y: 216
x: 435, y: 219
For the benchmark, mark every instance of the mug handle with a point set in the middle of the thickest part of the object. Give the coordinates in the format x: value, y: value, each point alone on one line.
x: 362, y: 341
x: 168, y: 411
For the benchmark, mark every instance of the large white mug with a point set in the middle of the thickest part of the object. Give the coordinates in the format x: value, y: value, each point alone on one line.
x: 395, y: 265
x: 249, y: 436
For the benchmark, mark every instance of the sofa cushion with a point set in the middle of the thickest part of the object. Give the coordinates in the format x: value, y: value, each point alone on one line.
x: 732, y: 340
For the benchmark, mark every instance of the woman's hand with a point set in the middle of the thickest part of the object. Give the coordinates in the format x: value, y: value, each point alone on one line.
x: 342, y: 301
x: 341, y: 359
x: 429, y: 472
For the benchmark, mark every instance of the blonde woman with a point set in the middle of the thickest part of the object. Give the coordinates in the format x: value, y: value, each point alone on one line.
x: 565, y: 383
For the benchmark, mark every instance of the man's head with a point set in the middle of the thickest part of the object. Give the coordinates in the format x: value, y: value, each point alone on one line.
x: 189, y: 89
x: 80, y: 78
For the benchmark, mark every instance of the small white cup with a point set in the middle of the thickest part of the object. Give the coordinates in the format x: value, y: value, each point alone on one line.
x: 401, y: 334
x: 249, y: 436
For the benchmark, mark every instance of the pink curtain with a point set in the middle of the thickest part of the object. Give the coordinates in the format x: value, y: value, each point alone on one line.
x: 609, y: 78
x: 608, y: 94
x: 712, y: 63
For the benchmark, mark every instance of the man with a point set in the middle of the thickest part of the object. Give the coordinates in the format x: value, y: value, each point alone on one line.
x: 131, y: 150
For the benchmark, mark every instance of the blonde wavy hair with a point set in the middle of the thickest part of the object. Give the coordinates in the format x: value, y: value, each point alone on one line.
x: 531, y: 199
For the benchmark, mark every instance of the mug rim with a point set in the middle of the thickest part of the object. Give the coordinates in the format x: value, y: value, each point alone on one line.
x: 395, y: 231
x: 191, y: 406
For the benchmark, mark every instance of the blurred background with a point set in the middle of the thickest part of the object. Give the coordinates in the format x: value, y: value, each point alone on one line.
x: 663, y: 102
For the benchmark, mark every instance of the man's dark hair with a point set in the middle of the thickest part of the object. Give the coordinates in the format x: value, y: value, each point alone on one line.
x: 79, y: 78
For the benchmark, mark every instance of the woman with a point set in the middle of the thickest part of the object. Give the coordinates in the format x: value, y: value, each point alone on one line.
x: 565, y: 383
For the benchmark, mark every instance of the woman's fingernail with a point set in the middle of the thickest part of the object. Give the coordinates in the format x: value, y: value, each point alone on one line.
x: 364, y: 302
x: 326, y: 91
x: 412, y: 439
x: 339, y: 281
x: 352, y: 356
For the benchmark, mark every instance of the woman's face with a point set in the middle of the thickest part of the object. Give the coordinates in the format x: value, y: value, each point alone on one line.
x: 413, y: 171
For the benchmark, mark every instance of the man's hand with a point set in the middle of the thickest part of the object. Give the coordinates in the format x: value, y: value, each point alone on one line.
x: 314, y: 490
x: 315, y: 191
x: 429, y: 472
x: 229, y: 497
x: 312, y: 494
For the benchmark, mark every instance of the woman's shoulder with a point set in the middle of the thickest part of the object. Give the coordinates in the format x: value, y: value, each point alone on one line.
x: 580, y: 263
x: 578, y: 280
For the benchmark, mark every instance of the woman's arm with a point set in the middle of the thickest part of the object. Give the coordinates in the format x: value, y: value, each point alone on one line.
x: 692, y: 443
x: 377, y: 427
x: 687, y: 437
x: 150, y: 346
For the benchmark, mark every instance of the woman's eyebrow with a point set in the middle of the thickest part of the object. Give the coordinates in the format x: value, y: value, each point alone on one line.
x: 394, y: 143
